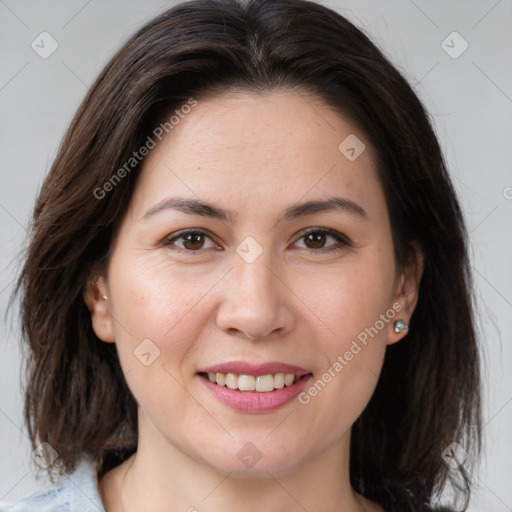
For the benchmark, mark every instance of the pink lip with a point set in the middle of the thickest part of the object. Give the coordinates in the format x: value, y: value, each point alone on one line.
x: 253, y: 401
x: 244, y: 368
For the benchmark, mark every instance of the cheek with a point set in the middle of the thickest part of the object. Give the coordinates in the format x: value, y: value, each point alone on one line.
x: 353, y: 358
x: 337, y: 398
x: 350, y: 298
x: 354, y: 303
x: 159, y: 303
x: 158, y: 316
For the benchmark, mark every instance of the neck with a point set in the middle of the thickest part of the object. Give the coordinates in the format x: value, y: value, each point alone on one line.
x: 160, y: 475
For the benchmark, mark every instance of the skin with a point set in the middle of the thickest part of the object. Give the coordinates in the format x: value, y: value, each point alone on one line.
x: 255, y: 155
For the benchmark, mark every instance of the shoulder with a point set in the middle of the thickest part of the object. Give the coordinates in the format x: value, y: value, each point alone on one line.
x: 44, y: 500
x: 73, y: 493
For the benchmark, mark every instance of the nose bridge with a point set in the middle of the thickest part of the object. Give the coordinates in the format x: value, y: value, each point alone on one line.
x: 254, y: 276
x: 254, y: 301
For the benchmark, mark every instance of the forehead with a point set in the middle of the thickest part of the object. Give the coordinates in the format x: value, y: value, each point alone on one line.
x: 260, y: 150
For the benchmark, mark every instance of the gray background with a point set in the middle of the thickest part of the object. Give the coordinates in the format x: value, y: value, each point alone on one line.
x: 469, y: 97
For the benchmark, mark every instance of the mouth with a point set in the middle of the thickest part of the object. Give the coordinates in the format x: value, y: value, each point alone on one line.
x: 254, y: 388
x: 253, y: 383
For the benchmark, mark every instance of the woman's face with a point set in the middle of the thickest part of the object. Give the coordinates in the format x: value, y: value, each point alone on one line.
x: 289, y: 269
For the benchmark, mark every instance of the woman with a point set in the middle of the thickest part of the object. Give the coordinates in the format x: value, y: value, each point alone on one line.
x: 247, y: 283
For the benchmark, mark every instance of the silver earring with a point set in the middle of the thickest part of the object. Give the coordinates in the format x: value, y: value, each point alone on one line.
x: 104, y: 297
x: 400, y: 325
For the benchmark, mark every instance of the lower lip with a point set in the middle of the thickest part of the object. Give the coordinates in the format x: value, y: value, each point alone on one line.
x: 256, y: 402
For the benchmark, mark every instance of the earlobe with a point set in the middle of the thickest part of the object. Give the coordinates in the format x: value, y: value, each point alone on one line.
x: 95, y: 297
x: 406, y: 295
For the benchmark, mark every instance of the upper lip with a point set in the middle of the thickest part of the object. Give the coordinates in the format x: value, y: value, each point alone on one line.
x: 245, y: 368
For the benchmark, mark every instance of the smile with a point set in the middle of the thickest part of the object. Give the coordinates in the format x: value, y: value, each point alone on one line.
x: 253, y: 388
x: 258, y: 383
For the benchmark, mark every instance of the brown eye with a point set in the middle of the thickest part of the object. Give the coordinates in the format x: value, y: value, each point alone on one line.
x: 193, y: 241
x: 317, y: 240
x: 189, y: 241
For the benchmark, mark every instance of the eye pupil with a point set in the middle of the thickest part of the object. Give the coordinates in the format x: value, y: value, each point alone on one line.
x: 194, y: 239
x: 317, y: 239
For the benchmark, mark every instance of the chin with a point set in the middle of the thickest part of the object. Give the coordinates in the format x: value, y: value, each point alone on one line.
x: 253, y: 463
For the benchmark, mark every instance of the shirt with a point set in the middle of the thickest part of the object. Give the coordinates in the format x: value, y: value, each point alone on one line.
x: 77, y: 492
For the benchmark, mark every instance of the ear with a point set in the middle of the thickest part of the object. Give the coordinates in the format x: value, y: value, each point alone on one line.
x: 94, y: 297
x: 406, y: 293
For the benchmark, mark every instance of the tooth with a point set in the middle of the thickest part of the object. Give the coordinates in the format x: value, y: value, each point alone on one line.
x: 232, y: 380
x: 279, y: 380
x: 265, y: 383
x: 246, y: 383
x: 260, y: 383
x: 288, y: 379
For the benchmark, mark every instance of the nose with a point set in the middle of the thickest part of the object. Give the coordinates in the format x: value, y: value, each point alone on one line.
x: 255, y: 301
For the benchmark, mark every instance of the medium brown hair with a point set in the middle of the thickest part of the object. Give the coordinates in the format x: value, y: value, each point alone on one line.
x: 428, y: 395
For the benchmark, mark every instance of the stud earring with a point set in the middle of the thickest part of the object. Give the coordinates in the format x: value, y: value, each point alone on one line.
x: 104, y: 297
x: 400, y: 325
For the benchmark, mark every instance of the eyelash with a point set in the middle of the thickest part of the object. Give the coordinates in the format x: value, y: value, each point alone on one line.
x: 340, y: 239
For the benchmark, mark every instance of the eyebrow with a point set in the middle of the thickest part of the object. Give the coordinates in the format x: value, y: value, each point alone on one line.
x: 197, y: 207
